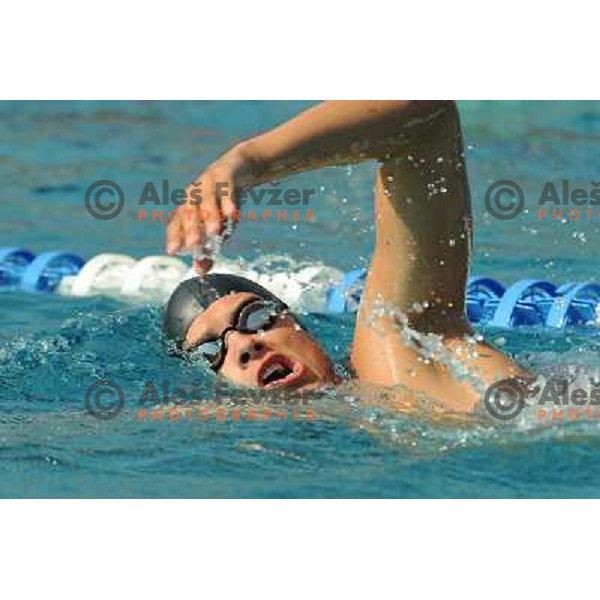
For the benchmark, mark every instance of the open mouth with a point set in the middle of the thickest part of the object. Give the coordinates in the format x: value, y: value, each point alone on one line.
x: 278, y: 371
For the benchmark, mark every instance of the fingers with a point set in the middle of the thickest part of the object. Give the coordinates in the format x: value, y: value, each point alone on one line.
x: 209, y: 213
x: 175, y: 239
x: 211, y: 195
x: 198, y: 218
x: 191, y: 225
x: 229, y: 204
x: 203, y: 266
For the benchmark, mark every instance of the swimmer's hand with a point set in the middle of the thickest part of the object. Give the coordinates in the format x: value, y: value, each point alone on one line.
x: 206, y: 219
x: 331, y: 133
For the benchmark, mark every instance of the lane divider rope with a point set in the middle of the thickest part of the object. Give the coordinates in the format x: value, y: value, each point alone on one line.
x: 529, y: 302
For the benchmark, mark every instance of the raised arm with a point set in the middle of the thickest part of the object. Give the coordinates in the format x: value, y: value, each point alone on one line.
x: 418, y: 272
x: 411, y: 328
x: 331, y: 133
x: 340, y: 132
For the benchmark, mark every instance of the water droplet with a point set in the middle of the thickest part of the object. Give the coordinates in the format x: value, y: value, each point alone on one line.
x: 416, y: 307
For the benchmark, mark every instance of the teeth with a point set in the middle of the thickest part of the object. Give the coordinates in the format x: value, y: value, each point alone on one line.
x: 276, y: 372
x: 272, y: 369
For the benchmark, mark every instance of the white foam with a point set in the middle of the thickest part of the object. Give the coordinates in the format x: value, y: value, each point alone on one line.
x: 301, y: 285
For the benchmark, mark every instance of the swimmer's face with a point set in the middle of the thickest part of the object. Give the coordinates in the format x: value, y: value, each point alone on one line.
x: 282, y: 356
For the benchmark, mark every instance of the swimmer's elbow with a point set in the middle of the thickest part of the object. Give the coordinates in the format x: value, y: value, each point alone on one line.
x: 406, y: 120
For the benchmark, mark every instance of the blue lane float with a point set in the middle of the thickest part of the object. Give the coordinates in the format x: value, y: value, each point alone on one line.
x: 21, y: 268
x: 529, y: 302
x: 576, y: 303
x: 345, y: 296
x: 13, y: 262
x: 47, y: 269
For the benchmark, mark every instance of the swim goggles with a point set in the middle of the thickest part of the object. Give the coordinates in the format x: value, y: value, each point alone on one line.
x: 253, y: 316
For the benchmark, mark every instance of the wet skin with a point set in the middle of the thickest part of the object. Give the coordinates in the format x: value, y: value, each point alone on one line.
x: 419, y: 268
x: 284, y: 355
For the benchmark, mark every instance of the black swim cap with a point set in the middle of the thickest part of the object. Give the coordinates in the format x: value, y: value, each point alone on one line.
x: 193, y: 296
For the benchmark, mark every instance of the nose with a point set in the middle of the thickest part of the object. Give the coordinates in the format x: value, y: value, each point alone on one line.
x: 245, y: 347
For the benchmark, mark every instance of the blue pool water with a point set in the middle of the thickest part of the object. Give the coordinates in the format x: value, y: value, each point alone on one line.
x: 53, y: 348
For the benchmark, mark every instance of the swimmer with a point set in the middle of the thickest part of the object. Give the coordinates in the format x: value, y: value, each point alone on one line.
x: 411, y: 329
